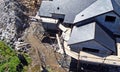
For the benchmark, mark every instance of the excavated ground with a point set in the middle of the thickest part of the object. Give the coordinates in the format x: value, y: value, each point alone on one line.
x: 42, y: 54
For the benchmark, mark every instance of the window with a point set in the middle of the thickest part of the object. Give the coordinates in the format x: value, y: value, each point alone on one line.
x: 110, y: 19
x: 90, y: 50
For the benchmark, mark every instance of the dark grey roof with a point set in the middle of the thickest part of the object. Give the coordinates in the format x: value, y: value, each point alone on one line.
x: 118, y: 2
x: 109, y: 21
x: 69, y: 8
x: 89, y: 32
x: 82, y: 34
x: 97, y: 8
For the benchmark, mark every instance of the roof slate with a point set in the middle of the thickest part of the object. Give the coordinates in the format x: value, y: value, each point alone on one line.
x: 70, y: 8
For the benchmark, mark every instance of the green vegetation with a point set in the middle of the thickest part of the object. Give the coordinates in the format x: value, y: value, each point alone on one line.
x: 9, y: 59
x: 49, y: 69
x: 27, y: 57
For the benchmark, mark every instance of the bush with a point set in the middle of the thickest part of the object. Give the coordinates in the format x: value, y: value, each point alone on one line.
x: 9, y: 60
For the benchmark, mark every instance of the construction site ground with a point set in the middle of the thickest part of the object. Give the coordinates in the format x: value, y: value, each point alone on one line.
x: 42, y: 54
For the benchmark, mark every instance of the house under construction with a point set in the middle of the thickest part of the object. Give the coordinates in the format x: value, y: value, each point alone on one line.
x: 86, y: 30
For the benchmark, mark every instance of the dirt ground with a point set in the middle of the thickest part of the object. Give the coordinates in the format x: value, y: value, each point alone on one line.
x: 44, y: 59
x: 42, y: 54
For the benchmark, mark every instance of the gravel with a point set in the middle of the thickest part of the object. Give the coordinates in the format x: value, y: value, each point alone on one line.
x: 12, y: 20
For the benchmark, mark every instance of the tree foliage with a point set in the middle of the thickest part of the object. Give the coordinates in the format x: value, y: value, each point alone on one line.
x: 8, y: 58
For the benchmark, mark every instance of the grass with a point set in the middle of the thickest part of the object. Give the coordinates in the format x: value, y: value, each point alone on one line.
x: 9, y: 59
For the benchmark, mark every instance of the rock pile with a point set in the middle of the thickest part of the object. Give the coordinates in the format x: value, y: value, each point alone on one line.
x: 12, y: 20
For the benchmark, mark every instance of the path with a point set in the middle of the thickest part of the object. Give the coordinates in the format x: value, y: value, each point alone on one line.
x: 43, y: 55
